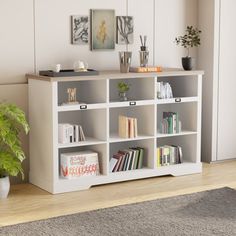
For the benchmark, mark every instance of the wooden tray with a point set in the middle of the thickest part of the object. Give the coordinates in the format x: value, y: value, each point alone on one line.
x: 68, y: 73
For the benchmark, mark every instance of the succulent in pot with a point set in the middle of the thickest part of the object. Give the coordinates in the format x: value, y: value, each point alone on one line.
x: 123, y: 88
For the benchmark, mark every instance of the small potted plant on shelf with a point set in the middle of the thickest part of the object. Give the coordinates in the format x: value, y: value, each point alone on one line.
x: 12, y: 120
x: 189, y: 40
x: 123, y: 88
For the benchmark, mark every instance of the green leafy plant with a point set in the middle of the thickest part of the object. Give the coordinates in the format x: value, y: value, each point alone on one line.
x: 123, y: 87
x: 190, y: 39
x: 12, y: 121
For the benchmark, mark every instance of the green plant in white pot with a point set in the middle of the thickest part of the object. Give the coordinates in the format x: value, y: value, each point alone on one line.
x: 189, y: 40
x: 12, y: 121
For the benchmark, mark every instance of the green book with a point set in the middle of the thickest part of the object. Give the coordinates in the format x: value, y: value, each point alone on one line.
x: 141, y: 156
x: 170, y: 124
x: 137, y: 154
x: 177, y: 123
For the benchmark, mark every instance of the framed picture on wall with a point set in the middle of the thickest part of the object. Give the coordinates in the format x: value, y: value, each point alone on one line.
x: 102, y: 29
x: 79, y: 29
x: 124, y: 30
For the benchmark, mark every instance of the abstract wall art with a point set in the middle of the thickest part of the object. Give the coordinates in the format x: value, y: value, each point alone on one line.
x: 102, y: 29
x: 124, y: 30
x: 79, y: 29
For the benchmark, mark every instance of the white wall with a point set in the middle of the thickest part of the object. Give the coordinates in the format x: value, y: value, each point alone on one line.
x: 27, y: 45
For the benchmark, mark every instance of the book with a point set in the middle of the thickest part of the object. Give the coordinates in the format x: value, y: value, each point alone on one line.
x: 135, y: 127
x: 76, y: 130
x: 169, y: 155
x: 70, y: 133
x: 158, y: 157
x: 146, y: 69
x: 123, y: 127
x: 129, y: 159
x: 65, y: 133
x: 134, y: 159
x: 170, y: 123
x: 128, y: 127
x: 117, y: 156
x: 81, y: 134
x: 121, y: 162
x: 112, y: 164
x: 141, y: 157
x: 131, y: 127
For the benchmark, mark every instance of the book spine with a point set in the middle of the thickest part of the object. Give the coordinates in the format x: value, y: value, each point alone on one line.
x: 158, y: 157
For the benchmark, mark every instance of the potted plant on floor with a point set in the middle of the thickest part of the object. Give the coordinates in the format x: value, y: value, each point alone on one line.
x: 189, y: 40
x: 12, y: 120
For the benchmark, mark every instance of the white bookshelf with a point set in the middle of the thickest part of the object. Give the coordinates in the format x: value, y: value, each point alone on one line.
x: 98, y: 115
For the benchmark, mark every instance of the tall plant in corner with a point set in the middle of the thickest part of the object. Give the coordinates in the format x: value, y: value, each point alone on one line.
x: 12, y: 121
x: 190, y: 39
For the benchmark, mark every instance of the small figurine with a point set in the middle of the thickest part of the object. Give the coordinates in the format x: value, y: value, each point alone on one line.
x: 72, y: 96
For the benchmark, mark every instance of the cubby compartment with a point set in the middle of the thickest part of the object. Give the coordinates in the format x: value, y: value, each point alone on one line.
x: 187, y: 113
x: 182, y: 86
x: 145, y: 121
x: 140, y: 89
x: 188, y: 145
x: 147, y: 145
x: 88, y: 92
x: 93, y: 123
x: 101, y: 149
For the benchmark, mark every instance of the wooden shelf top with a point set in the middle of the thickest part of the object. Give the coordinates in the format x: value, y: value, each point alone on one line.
x: 117, y: 75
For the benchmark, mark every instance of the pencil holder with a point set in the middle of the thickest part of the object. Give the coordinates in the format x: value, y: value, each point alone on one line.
x: 125, y: 61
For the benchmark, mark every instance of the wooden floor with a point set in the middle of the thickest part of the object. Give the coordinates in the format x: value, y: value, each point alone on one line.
x: 27, y: 202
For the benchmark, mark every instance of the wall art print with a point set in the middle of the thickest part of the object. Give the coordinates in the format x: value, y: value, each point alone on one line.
x: 102, y: 29
x: 79, y: 29
x: 124, y: 30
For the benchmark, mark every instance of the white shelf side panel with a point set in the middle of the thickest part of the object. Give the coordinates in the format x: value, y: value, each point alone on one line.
x: 42, y: 149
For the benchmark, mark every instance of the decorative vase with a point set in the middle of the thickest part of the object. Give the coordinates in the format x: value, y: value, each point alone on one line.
x: 125, y: 61
x: 123, y: 96
x: 143, y: 56
x: 4, y: 187
x: 188, y: 63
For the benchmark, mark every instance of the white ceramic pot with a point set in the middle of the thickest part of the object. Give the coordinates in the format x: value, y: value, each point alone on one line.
x: 4, y: 187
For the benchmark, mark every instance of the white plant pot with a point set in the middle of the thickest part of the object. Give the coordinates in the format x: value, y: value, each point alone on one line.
x: 4, y: 187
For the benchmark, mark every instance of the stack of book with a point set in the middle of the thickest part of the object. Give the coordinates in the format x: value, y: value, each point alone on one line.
x: 164, y: 90
x: 169, y: 155
x: 128, y: 127
x: 128, y: 159
x: 69, y: 133
x: 78, y: 164
x: 170, y: 123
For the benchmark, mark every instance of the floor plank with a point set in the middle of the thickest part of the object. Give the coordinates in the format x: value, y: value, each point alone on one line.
x: 27, y: 202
